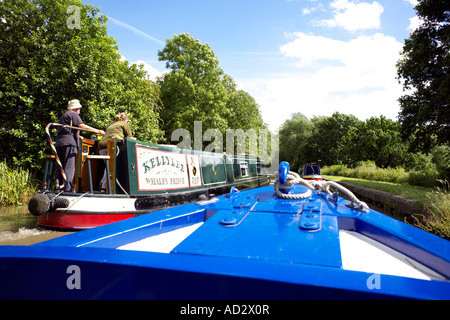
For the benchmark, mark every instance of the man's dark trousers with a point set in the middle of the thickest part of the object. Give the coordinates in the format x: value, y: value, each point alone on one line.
x: 67, y: 155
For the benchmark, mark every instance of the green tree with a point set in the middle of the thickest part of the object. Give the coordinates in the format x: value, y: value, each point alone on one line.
x: 294, y: 137
x: 424, y: 70
x: 244, y: 112
x: 196, y: 89
x: 52, y: 52
x: 331, y: 140
x: 193, y: 90
x: 378, y: 140
x: 441, y: 158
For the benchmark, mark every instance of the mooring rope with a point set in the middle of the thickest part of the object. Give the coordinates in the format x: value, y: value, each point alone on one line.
x: 52, y: 145
x: 292, y: 178
x: 324, y: 186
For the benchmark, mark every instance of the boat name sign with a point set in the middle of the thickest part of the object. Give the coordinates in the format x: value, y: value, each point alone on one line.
x: 161, y: 170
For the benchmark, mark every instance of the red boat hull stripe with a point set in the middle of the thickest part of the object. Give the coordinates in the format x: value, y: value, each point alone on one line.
x: 79, y: 220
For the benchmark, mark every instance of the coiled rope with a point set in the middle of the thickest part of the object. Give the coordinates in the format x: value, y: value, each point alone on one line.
x: 292, y: 178
x: 323, y: 186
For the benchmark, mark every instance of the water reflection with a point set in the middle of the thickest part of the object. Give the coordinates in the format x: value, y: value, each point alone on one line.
x: 17, y: 224
x: 14, y: 218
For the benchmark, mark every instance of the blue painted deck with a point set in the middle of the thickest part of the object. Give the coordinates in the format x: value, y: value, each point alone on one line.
x: 252, y: 245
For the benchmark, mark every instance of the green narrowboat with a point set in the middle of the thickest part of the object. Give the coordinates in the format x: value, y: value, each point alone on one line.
x: 143, y: 177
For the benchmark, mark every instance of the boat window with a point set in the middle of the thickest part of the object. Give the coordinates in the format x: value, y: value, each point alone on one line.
x: 260, y: 168
x: 244, y: 169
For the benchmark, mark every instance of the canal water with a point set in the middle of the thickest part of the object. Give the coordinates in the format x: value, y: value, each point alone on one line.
x: 18, y: 226
x: 15, y: 217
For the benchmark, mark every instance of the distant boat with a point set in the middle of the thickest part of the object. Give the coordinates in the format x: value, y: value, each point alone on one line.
x: 144, y: 177
x: 285, y: 241
x: 311, y: 171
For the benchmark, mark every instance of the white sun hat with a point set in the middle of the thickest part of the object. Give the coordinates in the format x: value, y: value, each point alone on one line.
x: 74, y: 104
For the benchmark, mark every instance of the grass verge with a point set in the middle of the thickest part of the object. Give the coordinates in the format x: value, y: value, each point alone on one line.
x: 403, y: 190
x: 434, y: 201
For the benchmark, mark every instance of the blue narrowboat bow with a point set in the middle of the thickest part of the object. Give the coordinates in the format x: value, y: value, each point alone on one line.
x: 287, y: 243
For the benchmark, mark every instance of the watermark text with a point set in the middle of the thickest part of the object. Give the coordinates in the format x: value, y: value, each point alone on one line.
x: 74, y: 20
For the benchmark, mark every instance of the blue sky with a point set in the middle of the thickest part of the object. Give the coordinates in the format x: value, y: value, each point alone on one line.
x: 310, y: 56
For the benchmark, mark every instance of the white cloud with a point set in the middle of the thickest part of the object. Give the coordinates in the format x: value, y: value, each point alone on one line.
x: 371, y: 58
x: 309, y: 48
x: 152, y: 72
x: 415, y: 23
x: 307, y: 11
x: 413, y: 2
x: 353, y: 77
x: 353, y: 15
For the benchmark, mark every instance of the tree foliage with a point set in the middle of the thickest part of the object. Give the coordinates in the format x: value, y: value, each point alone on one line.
x: 424, y: 70
x: 44, y: 63
x: 294, y: 137
x: 378, y: 140
x: 244, y: 112
x: 193, y: 90
x: 343, y: 139
x: 331, y: 138
x: 196, y: 89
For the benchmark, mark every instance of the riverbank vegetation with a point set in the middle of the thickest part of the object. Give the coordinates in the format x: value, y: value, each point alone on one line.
x: 428, y: 177
x: 371, y: 149
x: 432, y: 205
x: 438, y: 206
x: 16, y: 185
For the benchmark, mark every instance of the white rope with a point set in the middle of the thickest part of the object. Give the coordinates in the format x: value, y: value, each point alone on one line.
x: 292, y: 178
x: 347, y: 192
x: 324, y: 186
